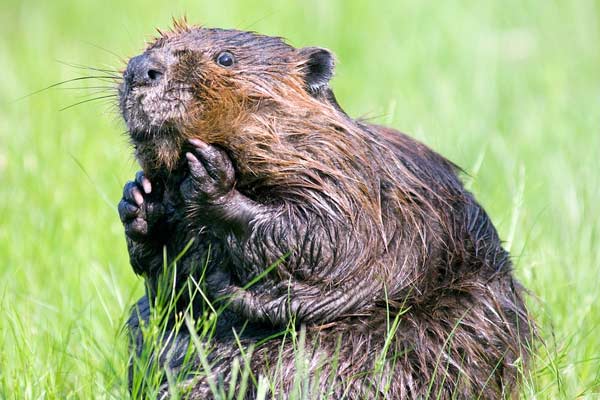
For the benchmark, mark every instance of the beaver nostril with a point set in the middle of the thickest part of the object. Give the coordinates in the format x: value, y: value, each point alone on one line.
x: 144, y: 69
x: 154, y: 74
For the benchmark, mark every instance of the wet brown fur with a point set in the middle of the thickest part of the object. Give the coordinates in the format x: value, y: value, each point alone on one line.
x: 427, y: 249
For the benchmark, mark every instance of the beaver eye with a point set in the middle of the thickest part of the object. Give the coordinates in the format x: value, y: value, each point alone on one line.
x: 225, y: 59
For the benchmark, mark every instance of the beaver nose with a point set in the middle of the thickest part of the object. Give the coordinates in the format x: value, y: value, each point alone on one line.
x: 143, y: 70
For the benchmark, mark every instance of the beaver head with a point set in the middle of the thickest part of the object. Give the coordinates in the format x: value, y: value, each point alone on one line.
x: 225, y: 87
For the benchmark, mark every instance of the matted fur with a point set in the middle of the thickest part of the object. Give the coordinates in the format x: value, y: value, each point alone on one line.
x: 371, y: 224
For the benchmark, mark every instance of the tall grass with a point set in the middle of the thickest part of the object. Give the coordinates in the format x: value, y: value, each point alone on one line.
x: 509, y: 90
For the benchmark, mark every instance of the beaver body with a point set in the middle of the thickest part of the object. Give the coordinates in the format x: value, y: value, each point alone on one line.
x: 379, y: 255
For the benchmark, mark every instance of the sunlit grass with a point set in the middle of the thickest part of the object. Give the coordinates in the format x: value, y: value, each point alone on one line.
x: 508, y: 90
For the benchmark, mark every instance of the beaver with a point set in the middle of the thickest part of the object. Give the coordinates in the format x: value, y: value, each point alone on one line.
x: 298, y: 218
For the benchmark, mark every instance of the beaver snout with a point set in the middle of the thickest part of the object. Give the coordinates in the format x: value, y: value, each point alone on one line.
x: 143, y: 70
x: 151, y: 102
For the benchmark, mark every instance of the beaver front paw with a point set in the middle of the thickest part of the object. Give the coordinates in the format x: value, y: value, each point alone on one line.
x: 140, y: 208
x: 211, y: 176
x: 210, y: 194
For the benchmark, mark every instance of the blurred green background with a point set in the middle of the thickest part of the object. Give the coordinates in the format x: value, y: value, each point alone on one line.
x: 509, y: 90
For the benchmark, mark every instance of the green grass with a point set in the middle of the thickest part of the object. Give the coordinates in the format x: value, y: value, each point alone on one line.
x: 509, y: 90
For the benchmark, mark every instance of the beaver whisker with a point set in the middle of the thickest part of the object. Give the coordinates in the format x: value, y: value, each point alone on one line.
x: 81, y: 78
x: 88, y: 87
x: 112, y: 96
x: 113, y: 72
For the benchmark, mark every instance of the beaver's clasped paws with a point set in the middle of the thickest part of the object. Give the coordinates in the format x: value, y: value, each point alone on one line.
x: 140, y: 208
x: 211, y: 176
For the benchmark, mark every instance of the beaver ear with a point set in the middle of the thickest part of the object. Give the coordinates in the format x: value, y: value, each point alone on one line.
x: 318, y: 67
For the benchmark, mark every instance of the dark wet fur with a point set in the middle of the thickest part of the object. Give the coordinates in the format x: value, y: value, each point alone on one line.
x: 370, y: 224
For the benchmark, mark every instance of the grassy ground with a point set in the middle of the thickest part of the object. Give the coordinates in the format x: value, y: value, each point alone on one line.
x: 509, y: 90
